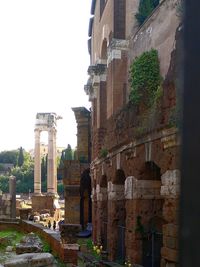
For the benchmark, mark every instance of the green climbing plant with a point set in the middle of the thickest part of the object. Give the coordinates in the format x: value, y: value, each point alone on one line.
x: 145, y: 78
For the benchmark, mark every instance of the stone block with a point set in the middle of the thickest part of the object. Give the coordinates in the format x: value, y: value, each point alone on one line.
x: 70, y: 253
x: 171, y: 177
x: 171, y: 242
x: 169, y: 254
x: 170, y: 190
x: 31, y: 260
x: 69, y: 233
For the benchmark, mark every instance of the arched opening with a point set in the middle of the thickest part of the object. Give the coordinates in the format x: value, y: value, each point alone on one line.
x: 152, y: 242
x: 85, y: 199
x: 150, y: 205
x: 119, y: 178
x: 150, y: 171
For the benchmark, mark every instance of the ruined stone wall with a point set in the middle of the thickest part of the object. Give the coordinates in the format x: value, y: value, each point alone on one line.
x: 5, y: 206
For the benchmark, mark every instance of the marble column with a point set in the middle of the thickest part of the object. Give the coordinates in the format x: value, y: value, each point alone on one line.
x: 37, y: 164
x: 51, y: 169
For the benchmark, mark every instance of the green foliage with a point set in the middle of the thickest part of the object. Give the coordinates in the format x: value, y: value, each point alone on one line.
x: 103, y: 153
x: 60, y: 188
x: 145, y: 9
x: 68, y: 153
x: 9, y: 156
x: 2, y: 167
x: 145, y: 78
x: 89, y: 244
x: 44, y: 169
x: 12, y: 236
x: 46, y: 247
x: 4, y: 184
x: 20, y: 161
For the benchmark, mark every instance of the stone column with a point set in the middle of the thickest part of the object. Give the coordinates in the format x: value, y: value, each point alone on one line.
x: 12, y: 191
x: 37, y: 164
x: 51, y: 167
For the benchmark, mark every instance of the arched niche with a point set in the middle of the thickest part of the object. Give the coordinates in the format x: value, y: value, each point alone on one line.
x: 103, y: 181
x: 85, y: 198
x: 150, y: 171
x: 119, y: 178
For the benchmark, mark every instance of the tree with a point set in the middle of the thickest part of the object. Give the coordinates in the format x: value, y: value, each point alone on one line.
x: 21, y: 157
x: 68, y: 153
x: 9, y: 156
x: 145, y: 9
x: 62, y: 158
x: 4, y: 184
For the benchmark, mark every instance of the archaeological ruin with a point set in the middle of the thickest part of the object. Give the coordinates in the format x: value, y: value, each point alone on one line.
x: 135, y: 139
x: 76, y: 174
x: 49, y: 200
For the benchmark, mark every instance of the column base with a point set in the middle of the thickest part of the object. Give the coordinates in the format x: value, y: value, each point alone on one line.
x: 46, y: 204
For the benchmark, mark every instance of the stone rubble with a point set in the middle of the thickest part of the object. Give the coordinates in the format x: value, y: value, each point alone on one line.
x: 29, y: 244
x: 32, y: 260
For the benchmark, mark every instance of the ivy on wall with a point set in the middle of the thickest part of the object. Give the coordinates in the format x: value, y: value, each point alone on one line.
x: 145, y: 9
x: 145, y: 79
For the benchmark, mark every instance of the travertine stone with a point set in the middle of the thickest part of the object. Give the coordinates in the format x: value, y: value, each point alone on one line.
x: 101, y: 193
x: 115, y: 192
x: 170, y: 183
x: 141, y: 189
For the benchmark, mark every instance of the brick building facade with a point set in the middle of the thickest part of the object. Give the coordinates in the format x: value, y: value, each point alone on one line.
x: 135, y: 161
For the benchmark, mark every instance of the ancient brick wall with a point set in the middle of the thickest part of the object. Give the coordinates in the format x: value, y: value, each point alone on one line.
x: 141, y: 204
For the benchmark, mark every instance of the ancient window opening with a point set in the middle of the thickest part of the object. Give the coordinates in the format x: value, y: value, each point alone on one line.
x: 151, y: 171
x: 103, y: 181
x: 119, y: 177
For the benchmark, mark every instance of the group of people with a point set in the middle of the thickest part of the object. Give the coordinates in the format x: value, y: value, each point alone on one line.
x: 54, y: 225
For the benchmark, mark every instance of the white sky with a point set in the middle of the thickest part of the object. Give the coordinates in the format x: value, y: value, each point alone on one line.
x: 43, y: 67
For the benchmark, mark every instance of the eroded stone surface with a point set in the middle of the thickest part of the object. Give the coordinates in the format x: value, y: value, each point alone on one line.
x: 29, y: 244
x: 32, y: 260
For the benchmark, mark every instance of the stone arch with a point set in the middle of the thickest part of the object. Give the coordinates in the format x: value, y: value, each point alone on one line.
x: 85, y: 198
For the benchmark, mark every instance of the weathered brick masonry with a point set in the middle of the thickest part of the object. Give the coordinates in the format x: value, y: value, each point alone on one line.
x: 135, y: 154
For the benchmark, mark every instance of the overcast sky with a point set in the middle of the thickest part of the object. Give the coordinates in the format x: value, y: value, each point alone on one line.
x: 43, y: 67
